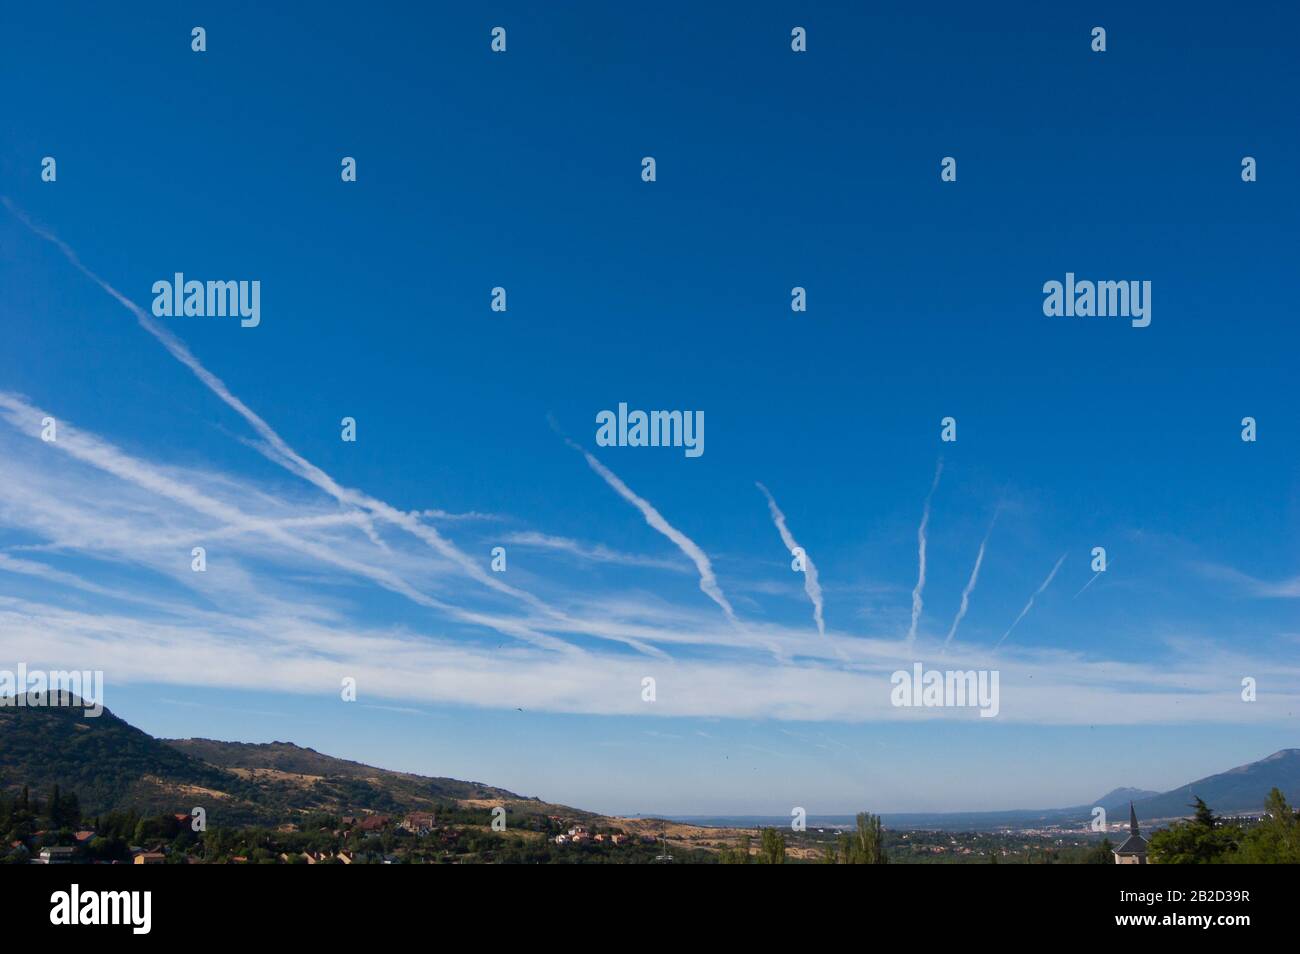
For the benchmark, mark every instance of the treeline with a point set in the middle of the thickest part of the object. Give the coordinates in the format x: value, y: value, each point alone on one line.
x: 30, y: 823
x: 1207, y: 839
x: 35, y: 822
x: 23, y: 814
x: 863, y: 846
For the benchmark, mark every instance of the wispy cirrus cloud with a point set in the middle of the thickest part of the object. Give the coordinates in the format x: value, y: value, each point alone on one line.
x: 105, y: 457
x: 250, y: 622
x: 301, y: 590
x: 273, y: 446
x: 467, y: 515
x: 395, y: 667
x: 592, y: 552
x: 1284, y: 589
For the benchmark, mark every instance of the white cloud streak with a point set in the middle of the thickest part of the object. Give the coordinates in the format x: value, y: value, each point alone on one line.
x: 970, y: 585
x: 276, y: 610
x: 275, y: 448
x: 1046, y: 583
x: 594, y: 553
x: 109, y: 459
x: 810, y: 584
x: 708, y: 581
x: 1262, y: 589
x: 288, y: 655
x: 272, y: 630
x: 917, y: 603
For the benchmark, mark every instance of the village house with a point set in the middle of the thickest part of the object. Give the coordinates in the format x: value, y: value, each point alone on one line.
x: 418, y: 823
x: 57, y: 856
x: 150, y: 858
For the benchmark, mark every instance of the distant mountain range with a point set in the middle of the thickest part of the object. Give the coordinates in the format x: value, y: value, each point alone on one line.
x: 1234, y: 792
x: 110, y: 764
x: 1238, y: 791
x: 1121, y: 796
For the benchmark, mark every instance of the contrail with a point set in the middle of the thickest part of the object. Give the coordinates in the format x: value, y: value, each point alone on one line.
x: 276, y: 449
x: 108, y: 458
x: 810, y: 584
x: 708, y: 582
x: 970, y: 584
x: 1046, y: 583
x: 1091, y: 581
x: 920, y: 541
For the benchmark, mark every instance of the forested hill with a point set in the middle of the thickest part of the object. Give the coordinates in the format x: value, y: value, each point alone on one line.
x: 112, y: 765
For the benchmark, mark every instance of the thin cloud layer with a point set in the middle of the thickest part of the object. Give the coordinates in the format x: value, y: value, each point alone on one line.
x: 277, y: 611
x: 97, y: 575
x: 594, y: 553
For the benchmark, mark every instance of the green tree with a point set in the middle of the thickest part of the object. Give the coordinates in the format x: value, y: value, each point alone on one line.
x: 739, y: 855
x: 1204, y: 840
x: 1103, y: 854
x: 772, y: 849
x: 866, y: 846
x: 56, y: 808
x: 1276, y: 839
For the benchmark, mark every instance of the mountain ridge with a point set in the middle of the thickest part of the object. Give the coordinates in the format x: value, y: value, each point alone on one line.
x: 114, y: 766
x: 1238, y: 790
x: 111, y: 765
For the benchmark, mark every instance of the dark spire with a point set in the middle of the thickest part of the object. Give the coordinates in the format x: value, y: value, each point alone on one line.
x: 1132, y: 820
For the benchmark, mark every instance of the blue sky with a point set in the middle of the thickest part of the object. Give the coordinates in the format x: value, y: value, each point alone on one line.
x: 371, y: 559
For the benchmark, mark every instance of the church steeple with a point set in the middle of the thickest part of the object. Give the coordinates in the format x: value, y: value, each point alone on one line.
x: 1134, y: 849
